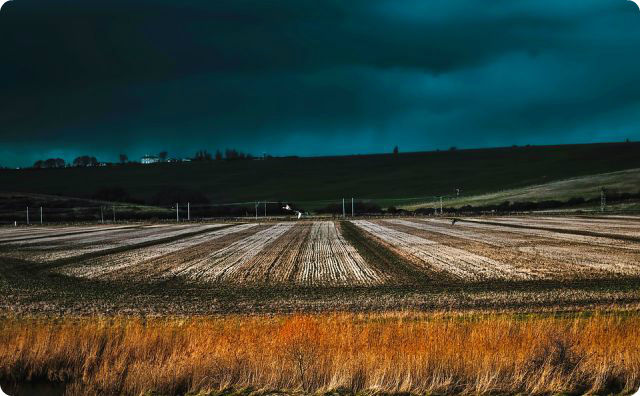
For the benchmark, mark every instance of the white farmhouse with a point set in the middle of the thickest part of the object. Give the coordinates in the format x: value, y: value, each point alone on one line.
x: 149, y: 159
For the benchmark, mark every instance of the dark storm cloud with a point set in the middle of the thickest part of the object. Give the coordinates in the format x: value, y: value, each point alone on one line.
x: 313, y: 77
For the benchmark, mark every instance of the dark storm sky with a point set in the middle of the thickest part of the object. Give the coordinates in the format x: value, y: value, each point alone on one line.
x: 313, y: 77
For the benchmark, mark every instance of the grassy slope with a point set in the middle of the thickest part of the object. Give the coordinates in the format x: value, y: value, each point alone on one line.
x: 331, y: 178
x: 13, y: 206
x: 584, y: 186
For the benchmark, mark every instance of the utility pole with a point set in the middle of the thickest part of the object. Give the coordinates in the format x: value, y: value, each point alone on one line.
x: 101, y: 214
x: 27, y: 215
x: 603, y: 199
x: 114, y: 213
x: 441, y: 205
x: 41, y: 215
x: 188, y: 211
x: 265, y: 208
x: 177, y: 212
x: 352, y: 207
x: 343, y: 213
x: 257, y: 203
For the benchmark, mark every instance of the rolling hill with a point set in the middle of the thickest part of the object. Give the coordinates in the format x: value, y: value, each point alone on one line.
x: 586, y: 187
x: 404, y: 179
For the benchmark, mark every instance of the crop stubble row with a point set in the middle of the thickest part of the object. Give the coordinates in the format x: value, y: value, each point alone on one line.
x: 317, y: 254
x: 304, y: 254
x: 452, y: 261
x: 546, y: 254
x: 57, y: 247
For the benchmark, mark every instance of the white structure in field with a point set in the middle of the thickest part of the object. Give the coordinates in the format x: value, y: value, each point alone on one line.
x: 297, y: 212
x: 149, y: 159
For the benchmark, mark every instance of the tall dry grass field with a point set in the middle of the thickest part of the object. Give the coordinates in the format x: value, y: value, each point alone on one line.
x: 378, y: 352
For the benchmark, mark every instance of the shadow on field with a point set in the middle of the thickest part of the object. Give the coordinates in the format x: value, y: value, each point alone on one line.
x: 33, y: 388
x: 27, y: 288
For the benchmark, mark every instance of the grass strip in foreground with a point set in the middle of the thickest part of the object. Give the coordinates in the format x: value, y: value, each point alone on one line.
x: 387, y: 352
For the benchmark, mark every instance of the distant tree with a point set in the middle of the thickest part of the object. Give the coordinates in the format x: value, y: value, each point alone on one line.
x: 85, y: 160
x: 395, y: 150
x: 49, y: 163
x: 231, y: 154
x: 202, y: 155
x: 123, y: 158
x: 163, y: 156
x: 453, y: 148
x: 218, y: 155
x: 54, y: 163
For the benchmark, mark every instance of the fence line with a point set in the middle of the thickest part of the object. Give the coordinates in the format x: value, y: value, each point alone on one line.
x: 256, y: 209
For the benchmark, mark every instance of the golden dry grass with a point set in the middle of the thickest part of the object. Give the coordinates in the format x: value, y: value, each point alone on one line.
x: 313, y: 353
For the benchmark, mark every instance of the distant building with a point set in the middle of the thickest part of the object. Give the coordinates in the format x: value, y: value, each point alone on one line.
x: 149, y: 159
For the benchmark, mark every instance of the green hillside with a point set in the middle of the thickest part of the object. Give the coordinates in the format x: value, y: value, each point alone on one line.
x: 587, y: 187
x: 314, y: 181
